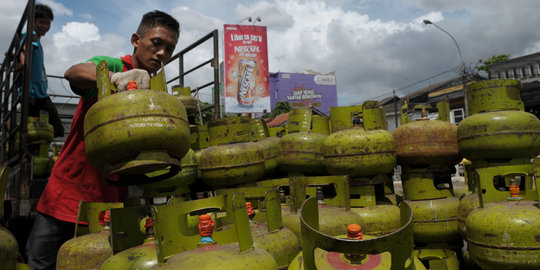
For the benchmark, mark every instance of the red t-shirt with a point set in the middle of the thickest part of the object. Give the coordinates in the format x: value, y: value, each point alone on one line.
x: 73, y: 177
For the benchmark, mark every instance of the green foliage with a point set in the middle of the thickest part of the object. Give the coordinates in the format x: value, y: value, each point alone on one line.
x: 281, y: 107
x: 206, y: 115
x: 483, y: 65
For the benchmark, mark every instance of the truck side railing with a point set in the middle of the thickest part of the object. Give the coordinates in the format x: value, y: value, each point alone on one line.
x: 213, y: 62
x: 14, y: 111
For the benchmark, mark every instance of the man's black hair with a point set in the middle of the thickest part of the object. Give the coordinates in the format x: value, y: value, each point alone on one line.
x: 43, y: 11
x: 157, y: 18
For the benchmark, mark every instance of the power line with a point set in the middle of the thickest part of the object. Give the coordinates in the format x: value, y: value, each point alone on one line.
x: 410, y: 85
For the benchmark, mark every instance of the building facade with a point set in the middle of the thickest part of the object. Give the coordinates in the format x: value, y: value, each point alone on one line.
x: 304, y: 90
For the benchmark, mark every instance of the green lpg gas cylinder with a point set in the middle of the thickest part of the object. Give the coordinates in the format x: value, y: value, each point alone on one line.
x: 321, y: 251
x: 380, y: 217
x: 466, y: 205
x: 230, y: 246
x: 435, y: 220
x: 176, y: 185
x: 93, y: 214
x: 231, y: 164
x: 135, y: 132
x: 136, y: 258
x: 259, y: 130
x: 229, y: 130
x: 42, y: 164
x: 139, y: 257
x: 269, y: 145
x: 87, y: 251
x: 505, y: 235
x: 269, y: 235
x: 301, y: 150
x: 198, y: 159
x: 184, y: 94
x: 335, y: 213
x: 498, y: 128
x: 363, y: 149
x: 278, y: 131
x: 192, y: 221
x: 40, y: 129
x: 357, y: 152
x: 335, y: 209
x: 438, y: 258
x: 340, y: 117
x: 9, y: 250
x: 232, y: 159
x: 321, y: 124
x: 434, y: 206
x: 199, y: 137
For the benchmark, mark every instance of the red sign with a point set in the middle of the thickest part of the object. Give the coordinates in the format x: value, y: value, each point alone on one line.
x: 246, y: 69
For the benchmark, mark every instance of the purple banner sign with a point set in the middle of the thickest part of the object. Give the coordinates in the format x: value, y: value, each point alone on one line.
x: 304, y: 90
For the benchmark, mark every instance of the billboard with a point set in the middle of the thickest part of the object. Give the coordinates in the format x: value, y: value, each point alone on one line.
x: 304, y: 90
x: 246, y: 69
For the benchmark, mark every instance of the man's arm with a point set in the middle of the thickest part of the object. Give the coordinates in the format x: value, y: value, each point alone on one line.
x: 19, y: 66
x: 82, y: 77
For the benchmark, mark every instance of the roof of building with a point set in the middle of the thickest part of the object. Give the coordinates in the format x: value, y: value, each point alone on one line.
x: 279, y: 120
x: 517, y: 60
x: 389, y: 100
x: 421, y: 95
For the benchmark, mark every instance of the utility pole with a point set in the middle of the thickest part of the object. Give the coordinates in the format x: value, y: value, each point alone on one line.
x: 463, y: 71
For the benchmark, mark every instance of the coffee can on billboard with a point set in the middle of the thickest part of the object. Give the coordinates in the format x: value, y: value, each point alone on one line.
x: 246, y: 85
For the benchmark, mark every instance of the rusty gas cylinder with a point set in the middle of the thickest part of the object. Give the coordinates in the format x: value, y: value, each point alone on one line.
x: 87, y: 251
x: 426, y: 142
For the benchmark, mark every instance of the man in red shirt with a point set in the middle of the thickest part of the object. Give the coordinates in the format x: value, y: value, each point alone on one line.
x: 73, y: 177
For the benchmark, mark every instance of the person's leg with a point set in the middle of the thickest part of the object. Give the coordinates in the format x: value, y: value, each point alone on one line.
x: 33, y: 108
x: 47, y: 236
x: 54, y: 119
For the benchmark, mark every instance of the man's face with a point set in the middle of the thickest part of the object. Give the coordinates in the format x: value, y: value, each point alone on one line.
x: 154, y: 48
x: 42, y: 26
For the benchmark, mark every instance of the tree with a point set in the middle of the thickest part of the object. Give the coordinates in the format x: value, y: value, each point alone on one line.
x: 483, y: 65
x: 281, y: 107
x: 206, y: 115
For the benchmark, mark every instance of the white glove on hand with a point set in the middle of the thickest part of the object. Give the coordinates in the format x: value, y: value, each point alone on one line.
x: 140, y: 76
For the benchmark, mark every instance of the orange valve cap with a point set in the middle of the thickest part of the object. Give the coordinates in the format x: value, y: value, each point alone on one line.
x: 354, y: 231
x: 249, y: 209
x: 149, y: 222
x: 132, y: 85
x: 206, y: 225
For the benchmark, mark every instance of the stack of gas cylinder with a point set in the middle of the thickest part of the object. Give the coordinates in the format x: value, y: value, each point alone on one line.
x: 248, y: 215
x: 500, y: 221
x: 427, y: 153
x: 228, y: 195
x: 40, y: 136
x: 9, y: 249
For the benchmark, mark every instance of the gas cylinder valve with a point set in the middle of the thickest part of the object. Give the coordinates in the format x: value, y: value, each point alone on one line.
x: 250, y: 211
x: 206, y: 228
x: 149, y: 225
x: 132, y: 85
x: 514, y: 188
x: 354, y: 231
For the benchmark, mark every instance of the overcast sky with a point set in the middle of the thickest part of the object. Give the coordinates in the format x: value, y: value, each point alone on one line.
x: 374, y: 46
